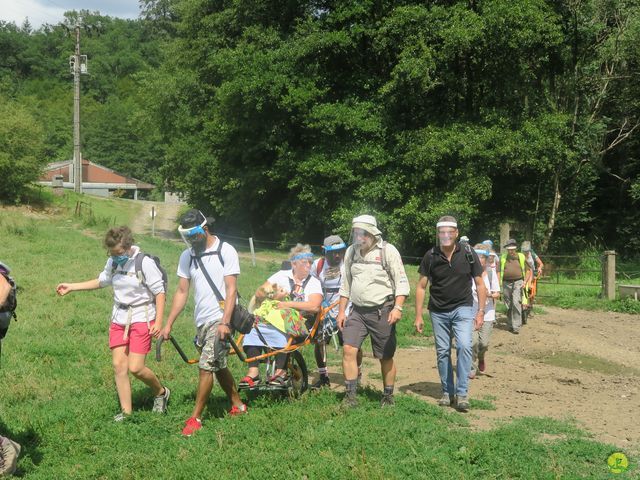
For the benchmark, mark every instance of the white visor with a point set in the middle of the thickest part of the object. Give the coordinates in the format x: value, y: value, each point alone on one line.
x: 446, y: 224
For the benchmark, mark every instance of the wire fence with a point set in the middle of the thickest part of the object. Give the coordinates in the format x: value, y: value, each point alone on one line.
x: 244, y: 244
x: 573, y: 275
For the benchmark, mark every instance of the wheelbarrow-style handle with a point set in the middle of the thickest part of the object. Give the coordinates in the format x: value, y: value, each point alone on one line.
x: 237, y: 349
x: 176, y: 346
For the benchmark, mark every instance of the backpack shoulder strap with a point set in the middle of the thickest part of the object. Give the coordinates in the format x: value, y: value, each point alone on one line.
x: 217, y: 251
x: 468, y: 253
x: 432, y: 252
x: 383, y: 256
x: 319, y: 266
x: 385, y: 265
x: 138, y: 266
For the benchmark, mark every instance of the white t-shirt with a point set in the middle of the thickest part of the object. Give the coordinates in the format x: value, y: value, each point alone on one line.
x: 273, y: 336
x: 207, y: 308
x: 127, y: 289
x: 492, y: 285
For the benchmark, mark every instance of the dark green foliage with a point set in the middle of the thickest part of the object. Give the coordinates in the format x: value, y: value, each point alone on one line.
x: 34, y: 72
x: 286, y: 118
x: 21, y: 146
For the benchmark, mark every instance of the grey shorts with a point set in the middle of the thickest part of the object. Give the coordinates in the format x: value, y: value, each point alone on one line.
x: 213, y: 352
x: 362, y: 322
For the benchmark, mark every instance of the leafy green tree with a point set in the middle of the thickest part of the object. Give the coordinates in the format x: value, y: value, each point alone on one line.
x: 21, y: 147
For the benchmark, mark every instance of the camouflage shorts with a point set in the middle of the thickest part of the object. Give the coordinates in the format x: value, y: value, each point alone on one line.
x: 213, y: 352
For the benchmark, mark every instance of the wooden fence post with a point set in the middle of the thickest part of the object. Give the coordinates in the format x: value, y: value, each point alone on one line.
x: 609, y: 275
x: 253, y: 252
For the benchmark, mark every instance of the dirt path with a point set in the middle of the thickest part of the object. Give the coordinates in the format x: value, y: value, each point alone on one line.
x: 166, y: 218
x: 519, y: 380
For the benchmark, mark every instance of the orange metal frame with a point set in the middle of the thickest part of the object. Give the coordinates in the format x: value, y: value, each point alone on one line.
x: 290, y: 346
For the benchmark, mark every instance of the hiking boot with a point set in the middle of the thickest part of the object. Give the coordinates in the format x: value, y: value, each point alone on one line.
x: 191, y: 426
x: 121, y: 417
x: 160, y: 402
x: 323, y: 381
x: 9, y: 452
x: 387, y: 400
x: 463, y: 403
x: 445, y: 401
x: 237, y: 411
x: 482, y: 366
x: 349, y: 401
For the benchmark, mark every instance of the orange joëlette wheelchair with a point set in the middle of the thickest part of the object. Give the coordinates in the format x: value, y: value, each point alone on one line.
x: 296, y: 366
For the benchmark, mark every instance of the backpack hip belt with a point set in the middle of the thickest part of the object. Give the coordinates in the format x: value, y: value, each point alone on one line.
x: 129, y: 308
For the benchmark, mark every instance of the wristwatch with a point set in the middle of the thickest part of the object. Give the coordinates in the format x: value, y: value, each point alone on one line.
x: 397, y: 307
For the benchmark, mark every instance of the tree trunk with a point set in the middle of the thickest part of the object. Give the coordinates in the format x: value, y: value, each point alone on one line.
x: 554, y: 210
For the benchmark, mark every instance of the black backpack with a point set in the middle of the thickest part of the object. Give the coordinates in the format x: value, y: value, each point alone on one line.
x: 8, y: 308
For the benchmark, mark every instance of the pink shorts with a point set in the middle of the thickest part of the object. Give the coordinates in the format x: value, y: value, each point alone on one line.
x: 139, y: 340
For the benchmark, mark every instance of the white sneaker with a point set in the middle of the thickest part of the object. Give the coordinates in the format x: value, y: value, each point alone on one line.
x: 120, y: 417
x: 160, y: 402
x: 10, y: 452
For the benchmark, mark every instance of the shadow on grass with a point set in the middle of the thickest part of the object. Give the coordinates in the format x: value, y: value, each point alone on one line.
x: 142, y: 399
x: 30, y: 441
x: 217, y: 405
x: 425, y: 389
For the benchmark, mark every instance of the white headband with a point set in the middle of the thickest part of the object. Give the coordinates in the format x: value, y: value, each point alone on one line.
x: 446, y: 224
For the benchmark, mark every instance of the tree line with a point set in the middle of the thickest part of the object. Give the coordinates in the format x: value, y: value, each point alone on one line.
x: 286, y: 119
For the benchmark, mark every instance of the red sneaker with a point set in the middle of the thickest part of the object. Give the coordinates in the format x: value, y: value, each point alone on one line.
x: 235, y: 411
x: 481, y: 366
x: 191, y: 426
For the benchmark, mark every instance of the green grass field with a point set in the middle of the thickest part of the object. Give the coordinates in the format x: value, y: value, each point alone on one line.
x: 57, y: 394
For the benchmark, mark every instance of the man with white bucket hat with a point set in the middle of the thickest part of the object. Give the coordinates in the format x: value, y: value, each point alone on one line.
x: 376, y: 283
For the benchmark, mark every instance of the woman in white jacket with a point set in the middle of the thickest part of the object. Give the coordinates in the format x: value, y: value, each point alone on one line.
x: 136, y: 315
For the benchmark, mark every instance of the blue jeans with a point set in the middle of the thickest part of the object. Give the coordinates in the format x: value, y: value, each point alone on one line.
x: 446, y: 325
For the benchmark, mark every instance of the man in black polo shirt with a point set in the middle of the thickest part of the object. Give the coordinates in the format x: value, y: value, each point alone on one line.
x: 450, y: 268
